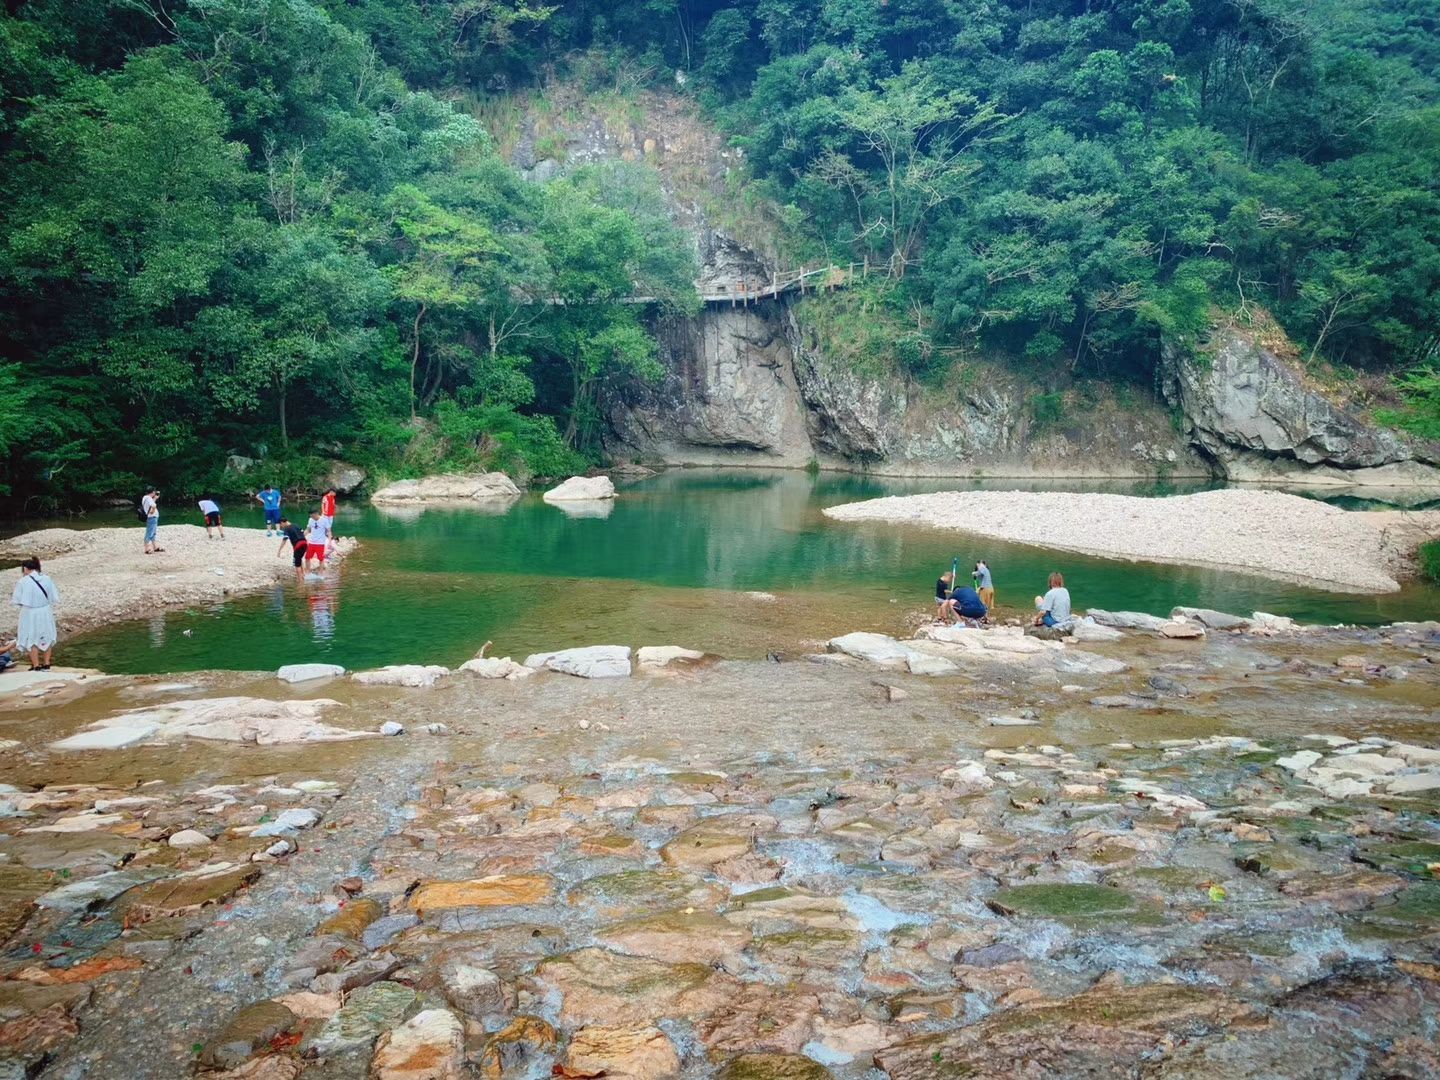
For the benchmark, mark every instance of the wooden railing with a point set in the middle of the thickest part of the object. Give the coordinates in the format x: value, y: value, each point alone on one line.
x: 750, y: 290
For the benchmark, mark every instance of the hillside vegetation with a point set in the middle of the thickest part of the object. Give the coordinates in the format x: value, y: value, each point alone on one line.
x: 285, y: 228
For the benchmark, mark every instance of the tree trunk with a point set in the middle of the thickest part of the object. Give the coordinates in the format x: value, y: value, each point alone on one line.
x: 284, y: 426
x: 415, y: 357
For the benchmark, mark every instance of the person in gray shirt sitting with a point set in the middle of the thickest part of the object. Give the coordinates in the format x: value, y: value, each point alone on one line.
x: 1053, y: 609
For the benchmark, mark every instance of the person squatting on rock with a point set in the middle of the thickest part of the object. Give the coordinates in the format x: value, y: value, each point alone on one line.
x: 957, y: 604
x: 36, y: 596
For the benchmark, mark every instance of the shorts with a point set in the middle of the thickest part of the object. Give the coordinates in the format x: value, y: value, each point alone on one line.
x: 987, y: 597
x: 1049, y: 620
x: 272, y: 517
x: 212, y: 519
x: 315, y: 551
x: 152, y: 526
x: 299, y: 551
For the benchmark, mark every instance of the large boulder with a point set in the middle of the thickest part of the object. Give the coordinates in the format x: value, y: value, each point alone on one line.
x: 1126, y: 620
x: 448, y: 487
x: 582, y: 489
x: 344, y: 478
x: 1257, y: 417
x: 1211, y: 619
x: 593, y: 662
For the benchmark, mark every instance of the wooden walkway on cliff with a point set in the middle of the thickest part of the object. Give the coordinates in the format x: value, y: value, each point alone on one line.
x: 746, y: 291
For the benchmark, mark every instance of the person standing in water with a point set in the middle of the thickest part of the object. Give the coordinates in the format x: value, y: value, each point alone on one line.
x: 327, y: 515
x: 291, y: 534
x: 317, y: 539
x: 211, y: 509
x: 36, y: 596
x: 270, y: 498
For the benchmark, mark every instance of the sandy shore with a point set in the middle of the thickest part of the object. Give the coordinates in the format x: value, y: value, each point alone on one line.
x: 104, y: 576
x: 1260, y: 532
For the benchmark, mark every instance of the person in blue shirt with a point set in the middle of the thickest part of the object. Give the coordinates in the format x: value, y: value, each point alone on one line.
x: 270, y: 498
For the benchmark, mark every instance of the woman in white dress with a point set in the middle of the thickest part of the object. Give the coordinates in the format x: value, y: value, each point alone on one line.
x: 36, y: 596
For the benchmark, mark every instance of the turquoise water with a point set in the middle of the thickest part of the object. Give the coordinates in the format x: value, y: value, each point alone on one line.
x: 672, y: 563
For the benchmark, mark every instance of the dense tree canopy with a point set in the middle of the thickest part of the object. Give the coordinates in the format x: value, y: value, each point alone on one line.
x: 275, y: 226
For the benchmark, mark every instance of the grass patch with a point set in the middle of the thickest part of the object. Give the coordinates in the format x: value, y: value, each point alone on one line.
x: 1430, y: 560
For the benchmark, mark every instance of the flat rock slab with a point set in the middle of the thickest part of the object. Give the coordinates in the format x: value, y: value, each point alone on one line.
x: 449, y: 487
x: 704, y: 847
x: 182, y: 895
x: 1214, y: 620
x: 654, y: 656
x: 228, y: 719
x: 500, y: 890
x: 602, y: 987
x: 774, y: 1067
x: 591, y: 662
x: 496, y: 668
x: 249, y: 1030
x: 1182, y: 631
x: 353, y: 919
x: 418, y: 676
x: 1095, y: 632
x: 636, y: 1053
x: 296, y: 673
x: 1126, y: 620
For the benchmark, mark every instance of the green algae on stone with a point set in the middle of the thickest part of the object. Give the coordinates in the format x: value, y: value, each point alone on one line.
x: 1407, y: 856
x: 642, y: 890
x: 1061, y: 901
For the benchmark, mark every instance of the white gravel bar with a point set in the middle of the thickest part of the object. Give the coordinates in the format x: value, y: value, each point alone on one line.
x: 1260, y: 532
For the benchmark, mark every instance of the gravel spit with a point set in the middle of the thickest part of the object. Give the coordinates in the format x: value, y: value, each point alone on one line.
x: 1261, y: 532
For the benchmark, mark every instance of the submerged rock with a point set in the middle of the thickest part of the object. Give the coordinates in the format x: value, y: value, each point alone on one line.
x: 634, y: 1053
x: 247, y: 1032
x: 428, y: 1046
x: 658, y: 656
x: 497, y: 668
x: 229, y: 719
x: 498, y: 890
x: 1060, y: 901
x: 366, y: 1013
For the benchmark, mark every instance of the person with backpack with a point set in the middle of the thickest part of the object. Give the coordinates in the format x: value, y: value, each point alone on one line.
x: 36, y: 596
x: 211, y: 509
x: 149, y: 513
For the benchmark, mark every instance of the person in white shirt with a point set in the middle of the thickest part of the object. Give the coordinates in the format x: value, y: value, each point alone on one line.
x: 317, y: 538
x: 36, y: 596
x: 211, y: 509
x: 150, y: 507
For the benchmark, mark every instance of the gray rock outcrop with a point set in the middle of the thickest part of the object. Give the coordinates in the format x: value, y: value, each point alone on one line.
x: 449, y: 487
x: 1253, y: 415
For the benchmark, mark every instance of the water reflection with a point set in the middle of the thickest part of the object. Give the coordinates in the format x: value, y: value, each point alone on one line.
x: 586, y: 508
x: 323, y: 599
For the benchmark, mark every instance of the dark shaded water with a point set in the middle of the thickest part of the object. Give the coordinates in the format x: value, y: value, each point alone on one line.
x: 671, y: 563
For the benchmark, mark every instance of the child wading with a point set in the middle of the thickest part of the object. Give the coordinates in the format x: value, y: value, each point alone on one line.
x: 291, y: 534
x: 317, y: 538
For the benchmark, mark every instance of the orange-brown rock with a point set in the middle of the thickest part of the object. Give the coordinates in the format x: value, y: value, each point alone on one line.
x: 498, y: 890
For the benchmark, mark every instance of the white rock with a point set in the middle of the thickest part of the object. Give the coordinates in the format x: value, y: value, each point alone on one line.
x: 1299, y: 761
x: 581, y: 488
x: 449, y: 487
x: 1361, y: 764
x: 1093, y: 632
x: 657, y: 656
x: 288, y: 821
x: 497, y: 668
x: 967, y: 778
x: 1330, y: 740
x: 280, y: 848
x: 593, y: 662
x: 391, y: 727
x: 876, y: 648
x: 108, y: 738
x: 231, y: 719
x: 436, y: 729
x: 1414, y: 755
x: 415, y: 675
x: 995, y: 641
x: 1265, y: 621
x: 1428, y: 780
x: 1012, y: 721
x: 1077, y: 662
x: 78, y: 823
x: 968, y: 636
x: 186, y: 838
x: 1182, y: 630
x: 1126, y: 620
x: 294, y: 673
x: 921, y: 664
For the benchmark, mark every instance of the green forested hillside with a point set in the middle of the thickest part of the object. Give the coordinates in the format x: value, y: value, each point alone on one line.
x: 278, y: 227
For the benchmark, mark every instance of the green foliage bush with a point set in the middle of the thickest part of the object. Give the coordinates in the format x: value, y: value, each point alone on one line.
x: 1430, y: 560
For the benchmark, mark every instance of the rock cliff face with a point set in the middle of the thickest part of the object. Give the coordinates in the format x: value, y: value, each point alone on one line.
x: 1254, y: 416
x: 746, y: 386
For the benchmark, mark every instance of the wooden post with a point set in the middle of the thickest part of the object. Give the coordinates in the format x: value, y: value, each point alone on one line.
x: 865, y: 273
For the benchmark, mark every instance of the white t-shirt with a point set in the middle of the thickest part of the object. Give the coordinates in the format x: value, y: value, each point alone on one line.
x: 147, y: 503
x: 209, y: 506
x: 317, y: 532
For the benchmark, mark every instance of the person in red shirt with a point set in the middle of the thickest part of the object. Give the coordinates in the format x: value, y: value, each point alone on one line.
x: 327, y: 515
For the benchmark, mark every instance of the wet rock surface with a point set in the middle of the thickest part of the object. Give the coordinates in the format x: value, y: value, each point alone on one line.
x: 1238, y: 874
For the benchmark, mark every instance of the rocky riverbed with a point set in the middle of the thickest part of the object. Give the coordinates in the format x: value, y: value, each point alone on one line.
x: 1178, y: 857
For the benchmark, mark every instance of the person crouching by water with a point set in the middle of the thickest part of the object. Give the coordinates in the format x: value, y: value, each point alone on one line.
x: 211, y: 509
x: 36, y: 596
x: 984, y: 585
x: 957, y: 604
x: 292, y: 535
x: 1053, y: 609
